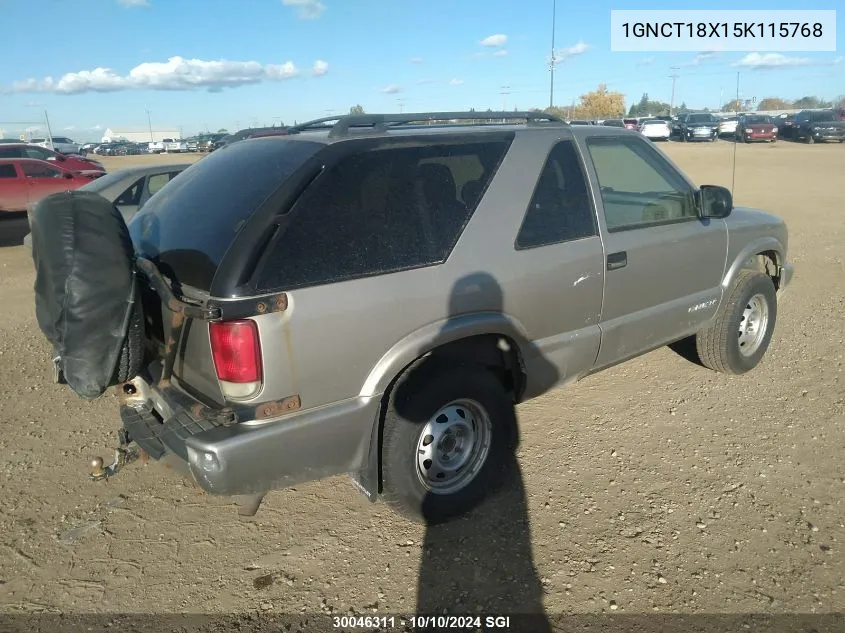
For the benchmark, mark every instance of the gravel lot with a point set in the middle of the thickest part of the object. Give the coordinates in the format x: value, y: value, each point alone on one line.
x: 656, y: 486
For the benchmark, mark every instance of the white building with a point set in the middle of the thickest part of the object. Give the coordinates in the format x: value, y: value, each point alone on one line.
x: 139, y: 134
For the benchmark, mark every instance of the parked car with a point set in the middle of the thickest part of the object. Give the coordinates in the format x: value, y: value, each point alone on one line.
x: 655, y: 130
x: 727, y: 126
x: 175, y: 146
x: 207, y: 141
x: 72, y: 163
x: 88, y: 148
x: 630, y: 123
x: 445, y: 308
x: 60, y: 144
x: 756, y: 127
x: 818, y: 125
x: 698, y: 126
x: 241, y: 135
x: 24, y: 181
x: 613, y: 122
x: 129, y: 189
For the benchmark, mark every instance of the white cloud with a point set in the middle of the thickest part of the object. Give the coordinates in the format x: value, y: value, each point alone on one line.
x: 500, y: 53
x: 563, y: 54
x: 756, y: 61
x: 306, y: 9
x: 499, y: 39
x: 97, y: 127
x: 416, y: 60
x: 134, y: 3
x: 392, y: 89
x: 177, y: 73
x: 702, y: 57
x: 648, y: 61
x: 456, y: 82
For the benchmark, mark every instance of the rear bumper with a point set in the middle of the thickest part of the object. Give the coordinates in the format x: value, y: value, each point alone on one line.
x: 225, y: 453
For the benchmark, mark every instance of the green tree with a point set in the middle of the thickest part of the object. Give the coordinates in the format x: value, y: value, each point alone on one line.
x: 774, y: 103
x: 222, y: 130
x: 682, y: 108
x: 810, y: 103
x: 733, y: 105
x: 647, y: 107
x: 356, y: 109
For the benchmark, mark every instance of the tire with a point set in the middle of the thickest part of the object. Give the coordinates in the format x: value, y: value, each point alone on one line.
x: 131, y: 356
x: 424, y: 399
x: 722, y: 346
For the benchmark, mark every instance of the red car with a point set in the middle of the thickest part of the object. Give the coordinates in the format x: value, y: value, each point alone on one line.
x: 24, y: 181
x: 72, y: 162
x: 756, y: 127
x: 631, y: 124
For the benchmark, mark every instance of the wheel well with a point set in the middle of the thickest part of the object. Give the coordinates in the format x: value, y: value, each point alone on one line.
x: 768, y: 263
x: 496, y: 352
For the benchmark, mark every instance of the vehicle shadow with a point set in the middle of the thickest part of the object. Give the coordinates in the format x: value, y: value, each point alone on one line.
x: 481, y: 563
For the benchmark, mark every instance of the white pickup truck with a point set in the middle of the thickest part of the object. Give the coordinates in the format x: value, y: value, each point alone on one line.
x: 60, y: 144
x: 168, y: 146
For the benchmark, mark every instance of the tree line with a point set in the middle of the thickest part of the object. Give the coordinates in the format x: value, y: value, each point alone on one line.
x: 605, y: 104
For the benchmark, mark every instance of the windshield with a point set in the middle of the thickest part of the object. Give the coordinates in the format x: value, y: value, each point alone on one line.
x: 189, y: 224
x: 699, y: 118
x: 824, y: 116
x: 751, y: 120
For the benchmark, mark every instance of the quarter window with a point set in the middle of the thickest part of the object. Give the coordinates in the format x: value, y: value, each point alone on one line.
x: 35, y: 170
x: 638, y: 187
x: 560, y: 209
x: 157, y: 181
x: 8, y: 171
x: 382, y: 210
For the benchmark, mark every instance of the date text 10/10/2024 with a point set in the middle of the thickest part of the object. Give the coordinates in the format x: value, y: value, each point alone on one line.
x: 457, y: 622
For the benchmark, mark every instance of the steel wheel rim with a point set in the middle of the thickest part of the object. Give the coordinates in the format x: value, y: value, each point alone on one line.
x: 753, y: 325
x: 453, y: 446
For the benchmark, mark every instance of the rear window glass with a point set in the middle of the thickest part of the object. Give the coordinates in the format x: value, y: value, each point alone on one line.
x: 824, y: 116
x: 189, y: 224
x: 381, y: 211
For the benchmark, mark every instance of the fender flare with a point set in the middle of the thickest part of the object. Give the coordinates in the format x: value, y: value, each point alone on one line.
x: 403, y: 354
x: 759, y: 245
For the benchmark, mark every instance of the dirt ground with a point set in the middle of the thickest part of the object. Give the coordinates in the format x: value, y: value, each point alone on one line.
x: 656, y: 486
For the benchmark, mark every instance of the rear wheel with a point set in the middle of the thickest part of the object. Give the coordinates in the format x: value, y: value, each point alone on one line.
x: 740, y: 333
x: 446, y: 436
x: 130, y: 360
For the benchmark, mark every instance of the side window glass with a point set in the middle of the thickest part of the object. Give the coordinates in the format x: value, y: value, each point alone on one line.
x: 638, y: 187
x: 156, y: 182
x: 381, y: 210
x: 8, y: 171
x: 36, y: 153
x: 132, y: 196
x: 560, y: 209
x: 36, y: 170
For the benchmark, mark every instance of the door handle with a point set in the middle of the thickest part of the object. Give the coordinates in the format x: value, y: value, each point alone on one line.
x: 617, y: 260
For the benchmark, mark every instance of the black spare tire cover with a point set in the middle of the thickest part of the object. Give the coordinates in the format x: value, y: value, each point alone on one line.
x: 85, y: 289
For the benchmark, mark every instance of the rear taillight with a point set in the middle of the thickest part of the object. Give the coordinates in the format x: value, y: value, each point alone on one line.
x: 236, y: 349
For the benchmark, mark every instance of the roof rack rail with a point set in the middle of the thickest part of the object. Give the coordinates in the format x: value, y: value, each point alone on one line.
x: 380, y: 122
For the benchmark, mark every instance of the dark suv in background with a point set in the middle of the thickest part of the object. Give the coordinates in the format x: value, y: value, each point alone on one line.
x: 818, y: 125
x: 698, y: 126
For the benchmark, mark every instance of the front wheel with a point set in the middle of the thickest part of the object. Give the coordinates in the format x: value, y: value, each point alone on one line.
x: 740, y: 333
x: 447, y: 433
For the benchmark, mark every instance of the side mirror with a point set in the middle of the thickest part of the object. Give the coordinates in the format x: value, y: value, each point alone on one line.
x: 715, y: 201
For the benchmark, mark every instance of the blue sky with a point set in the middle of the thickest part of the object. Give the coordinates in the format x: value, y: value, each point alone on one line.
x: 207, y: 64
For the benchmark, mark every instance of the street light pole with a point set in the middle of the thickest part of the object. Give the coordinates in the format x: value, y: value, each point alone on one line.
x: 150, y: 125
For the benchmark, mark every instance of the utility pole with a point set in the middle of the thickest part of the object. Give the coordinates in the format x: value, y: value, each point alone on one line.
x: 401, y: 103
x: 553, y: 60
x: 150, y: 125
x: 504, y: 92
x: 49, y: 132
x: 674, y: 76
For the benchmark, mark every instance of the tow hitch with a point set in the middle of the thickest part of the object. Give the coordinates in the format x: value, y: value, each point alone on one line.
x: 124, y: 454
